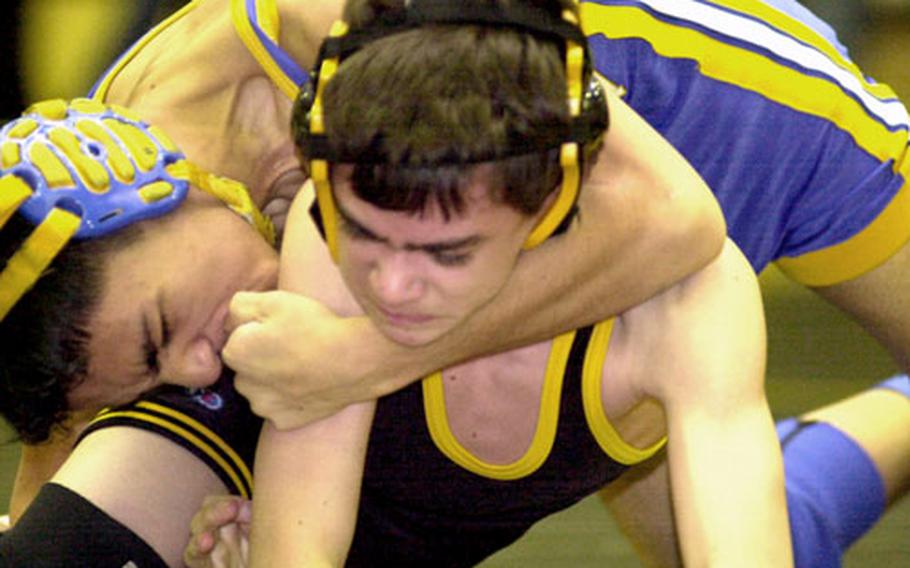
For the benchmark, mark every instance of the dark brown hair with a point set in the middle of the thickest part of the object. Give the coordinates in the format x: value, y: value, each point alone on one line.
x: 44, y: 338
x: 436, y: 99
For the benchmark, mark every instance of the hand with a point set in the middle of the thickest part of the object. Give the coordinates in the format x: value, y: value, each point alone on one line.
x: 297, y: 362
x: 220, y: 534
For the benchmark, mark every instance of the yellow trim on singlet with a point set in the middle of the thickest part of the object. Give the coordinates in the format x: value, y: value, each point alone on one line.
x: 544, y: 435
x: 190, y: 437
x: 752, y: 71
x: 861, y: 253
x: 212, y: 436
x: 105, y: 84
x: 591, y: 389
x: 267, y: 13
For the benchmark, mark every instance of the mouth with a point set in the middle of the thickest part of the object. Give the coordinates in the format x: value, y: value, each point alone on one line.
x: 399, y: 319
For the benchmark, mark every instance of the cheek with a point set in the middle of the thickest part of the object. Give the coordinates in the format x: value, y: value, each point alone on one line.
x: 475, y: 284
x: 356, y: 259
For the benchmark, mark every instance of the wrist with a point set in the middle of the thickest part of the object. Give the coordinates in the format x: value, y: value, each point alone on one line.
x: 387, y: 366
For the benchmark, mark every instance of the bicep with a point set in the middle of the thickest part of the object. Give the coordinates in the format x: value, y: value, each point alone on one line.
x: 708, y: 334
x: 143, y: 480
x: 308, y: 487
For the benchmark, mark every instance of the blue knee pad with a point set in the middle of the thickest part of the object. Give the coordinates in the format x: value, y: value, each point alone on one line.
x: 834, y: 492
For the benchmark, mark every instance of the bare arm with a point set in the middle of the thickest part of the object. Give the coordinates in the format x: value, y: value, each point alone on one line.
x: 308, y: 479
x: 307, y: 490
x: 641, y: 228
x: 148, y: 483
x: 726, y: 470
x: 640, y: 502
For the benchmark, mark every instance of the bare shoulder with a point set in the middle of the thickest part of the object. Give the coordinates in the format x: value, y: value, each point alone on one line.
x: 726, y: 282
x: 705, y: 334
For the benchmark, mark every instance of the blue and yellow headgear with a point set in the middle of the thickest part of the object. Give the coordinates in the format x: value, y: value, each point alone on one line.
x: 82, y: 170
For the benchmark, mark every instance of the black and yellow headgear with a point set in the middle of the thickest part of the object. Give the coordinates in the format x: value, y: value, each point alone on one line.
x: 586, y: 100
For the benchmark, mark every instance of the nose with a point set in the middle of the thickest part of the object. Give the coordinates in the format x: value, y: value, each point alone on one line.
x: 396, y: 280
x: 195, y: 364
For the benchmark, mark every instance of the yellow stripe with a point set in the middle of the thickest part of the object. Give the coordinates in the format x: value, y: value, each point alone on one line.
x: 91, y: 172
x: 37, y: 252
x: 105, y: 84
x: 571, y: 174
x: 139, y: 146
x: 156, y: 191
x: 51, y: 167
x: 24, y: 128
x: 87, y: 106
x: 212, y: 436
x: 866, y: 250
x: 13, y: 193
x: 116, y: 158
x: 11, y: 154
x: 163, y: 139
x: 592, y: 384
x: 54, y: 109
x: 799, y: 30
x: 746, y: 69
x: 259, y: 52
x: 544, y: 435
x: 267, y: 16
x: 184, y: 434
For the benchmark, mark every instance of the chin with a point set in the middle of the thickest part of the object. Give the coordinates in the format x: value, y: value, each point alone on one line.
x: 411, y: 337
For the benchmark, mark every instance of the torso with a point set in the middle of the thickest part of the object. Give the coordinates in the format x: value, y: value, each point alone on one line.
x: 493, y: 404
x: 229, y: 118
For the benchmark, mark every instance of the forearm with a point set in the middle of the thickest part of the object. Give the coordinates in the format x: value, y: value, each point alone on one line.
x: 640, y: 229
x: 728, y: 490
x: 307, y: 490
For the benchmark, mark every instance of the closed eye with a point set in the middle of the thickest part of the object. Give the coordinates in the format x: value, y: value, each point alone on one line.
x: 451, y: 259
x: 355, y: 231
x: 151, y: 350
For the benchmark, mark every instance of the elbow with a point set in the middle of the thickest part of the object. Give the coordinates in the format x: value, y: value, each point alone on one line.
x: 696, y: 225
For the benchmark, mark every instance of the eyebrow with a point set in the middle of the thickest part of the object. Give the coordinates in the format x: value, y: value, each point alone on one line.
x: 437, y: 247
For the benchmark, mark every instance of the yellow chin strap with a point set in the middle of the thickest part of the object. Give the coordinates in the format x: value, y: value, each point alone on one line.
x: 568, y: 152
x: 38, y: 250
x: 231, y: 192
x: 319, y: 169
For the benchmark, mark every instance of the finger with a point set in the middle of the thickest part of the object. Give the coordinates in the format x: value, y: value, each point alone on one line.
x: 197, y: 551
x: 231, y: 546
x: 240, y: 345
x: 215, y: 511
x: 245, y: 307
x: 244, y: 513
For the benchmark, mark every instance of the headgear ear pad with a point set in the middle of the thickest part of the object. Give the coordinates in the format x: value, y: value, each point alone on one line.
x: 586, y: 101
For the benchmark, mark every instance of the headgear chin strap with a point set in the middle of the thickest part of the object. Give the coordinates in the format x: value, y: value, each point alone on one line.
x: 84, y: 170
x: 586, y: 103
